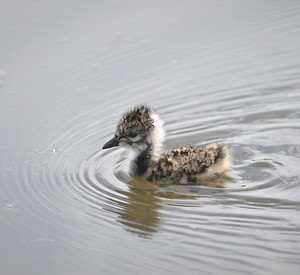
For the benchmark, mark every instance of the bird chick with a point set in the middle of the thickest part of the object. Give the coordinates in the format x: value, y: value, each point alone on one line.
x: 141, y: 130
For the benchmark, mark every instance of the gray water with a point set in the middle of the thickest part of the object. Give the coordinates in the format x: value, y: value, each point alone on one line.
x: 215, y: 71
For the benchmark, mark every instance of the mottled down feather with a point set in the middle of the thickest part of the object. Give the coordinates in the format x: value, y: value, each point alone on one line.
x: 189, y: 164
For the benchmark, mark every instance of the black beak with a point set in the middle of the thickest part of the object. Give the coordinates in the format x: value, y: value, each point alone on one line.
x: 111, y: 143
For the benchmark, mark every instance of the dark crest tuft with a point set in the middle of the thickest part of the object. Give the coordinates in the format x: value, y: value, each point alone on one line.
x: 138, y: 120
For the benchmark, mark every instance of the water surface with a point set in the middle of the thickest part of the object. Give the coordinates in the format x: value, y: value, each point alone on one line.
x: 215, y: 72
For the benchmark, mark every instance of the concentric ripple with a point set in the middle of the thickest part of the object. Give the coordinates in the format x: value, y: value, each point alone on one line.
x: 73, y: 180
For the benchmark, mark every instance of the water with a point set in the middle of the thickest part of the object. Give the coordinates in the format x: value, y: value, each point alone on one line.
x: 214, y: 71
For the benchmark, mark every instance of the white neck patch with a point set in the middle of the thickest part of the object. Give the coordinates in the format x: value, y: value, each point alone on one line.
x: 158, y: 134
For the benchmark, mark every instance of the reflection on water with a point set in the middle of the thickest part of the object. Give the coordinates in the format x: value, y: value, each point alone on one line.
x: 225, y: 73
x: 140, y: 211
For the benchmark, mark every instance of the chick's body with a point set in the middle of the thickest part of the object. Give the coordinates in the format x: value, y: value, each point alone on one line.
x: 141, y: 130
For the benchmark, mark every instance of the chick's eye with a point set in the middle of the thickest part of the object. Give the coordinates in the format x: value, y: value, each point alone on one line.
x: 134, y: 137
x: 133, y: 134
